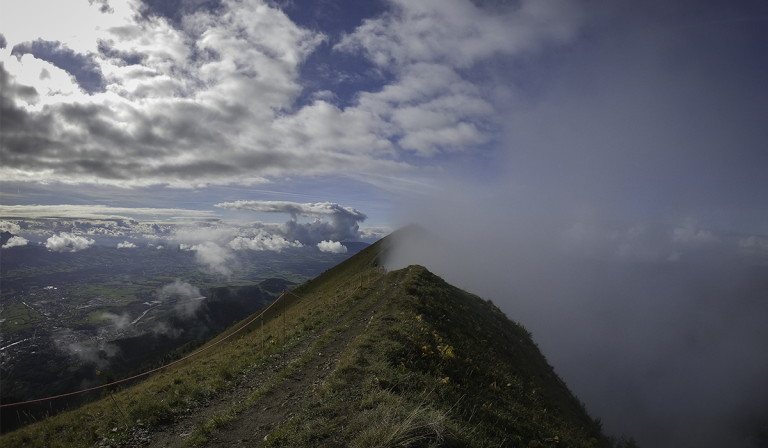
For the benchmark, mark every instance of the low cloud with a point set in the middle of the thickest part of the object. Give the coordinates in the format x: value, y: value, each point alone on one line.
x: 118, y: 321
x: 87, y: 351
x: 179, y: 289
x: 126, y: 245
x: 65, y: 242
x: 263, y: 242
x: 332, y: 221
x: 657, y: 309
x: 214, y: 257
x: 15, y: 241
x: 188, y: 299
x: 332, y: 246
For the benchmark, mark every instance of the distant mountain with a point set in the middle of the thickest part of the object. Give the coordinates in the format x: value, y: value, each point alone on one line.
x: 4, y: 237
x: 251, y: 297
x: 354, y: 357
x: 354, y: 247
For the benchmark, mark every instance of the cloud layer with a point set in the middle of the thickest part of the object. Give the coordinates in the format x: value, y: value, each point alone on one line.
x: 341, y: 224
x: 209, y: 98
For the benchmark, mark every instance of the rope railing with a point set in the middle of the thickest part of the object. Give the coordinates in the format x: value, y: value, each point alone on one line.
x: 153, y: 370
x: 283, y: 296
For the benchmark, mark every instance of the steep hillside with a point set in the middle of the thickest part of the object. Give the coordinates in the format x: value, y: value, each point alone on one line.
x: 354, y: 357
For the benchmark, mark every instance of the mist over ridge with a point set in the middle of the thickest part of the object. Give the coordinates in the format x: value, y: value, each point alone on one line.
x: 658, y: 328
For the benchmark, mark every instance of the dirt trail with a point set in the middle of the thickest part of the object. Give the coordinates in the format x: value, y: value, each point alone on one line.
x: 292, y: 394
x: 296, y: 392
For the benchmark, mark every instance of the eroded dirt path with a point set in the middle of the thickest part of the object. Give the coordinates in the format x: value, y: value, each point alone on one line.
x: 297, y: 391
x: 280, y: 403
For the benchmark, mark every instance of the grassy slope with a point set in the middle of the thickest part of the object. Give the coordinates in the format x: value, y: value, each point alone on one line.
x: 440, y: 364
x: 436, y: 363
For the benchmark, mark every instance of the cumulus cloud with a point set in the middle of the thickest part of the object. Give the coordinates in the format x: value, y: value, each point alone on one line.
x: 65, y: 242
x: 118, y: 321
x: 188, y: 299
x: 179, y: 289
x: 15, y: 241
x: 11, y: 227
x: 209, y: 97
x: 263, y: 242
x: 332, y: 246
x: 126, y: 245
x: 342, y: 224
x: 214, y: 257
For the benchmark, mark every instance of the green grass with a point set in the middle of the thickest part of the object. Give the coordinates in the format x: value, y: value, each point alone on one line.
x: 433, y: 368
x: 94, y: 317
x: 18, y: 317
x: 192, y: 383
x: 436, y: 366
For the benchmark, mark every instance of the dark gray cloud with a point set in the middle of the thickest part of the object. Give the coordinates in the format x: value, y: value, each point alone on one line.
x: 3, y: 42
x: 83, y: 67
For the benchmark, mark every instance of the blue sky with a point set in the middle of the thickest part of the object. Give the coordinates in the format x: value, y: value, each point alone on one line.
x: 629, y: 133
x: 637, y: 109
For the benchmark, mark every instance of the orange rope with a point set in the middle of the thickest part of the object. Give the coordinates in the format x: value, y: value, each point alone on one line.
x: 150, y: 371
x: 167, y: 365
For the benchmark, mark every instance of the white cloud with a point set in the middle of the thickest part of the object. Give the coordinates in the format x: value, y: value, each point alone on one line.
x: 212, y: 256
x: 332, y: 246
x: 369, y: 232
x: 120, y: 322
x: 189, y: 300
x: 7, y: 226
x: 460, y: 33
x: 126, y: 245
x: 263, y: 242
x: 65, y: 242
x: 211, y: 100
x: 15, y: 241
x: 99, y: 212
x: 180, y: 289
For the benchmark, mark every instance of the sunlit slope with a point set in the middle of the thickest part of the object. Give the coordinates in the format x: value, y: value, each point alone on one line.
x: 422, y: 363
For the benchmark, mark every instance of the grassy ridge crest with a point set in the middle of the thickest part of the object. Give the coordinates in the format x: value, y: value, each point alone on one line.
x: 434, y: 366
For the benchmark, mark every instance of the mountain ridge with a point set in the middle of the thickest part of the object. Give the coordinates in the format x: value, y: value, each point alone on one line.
x: 395, y: 358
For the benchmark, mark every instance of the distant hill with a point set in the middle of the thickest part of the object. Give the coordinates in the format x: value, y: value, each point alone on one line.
x: 354, y: 357
x: 251, y: 297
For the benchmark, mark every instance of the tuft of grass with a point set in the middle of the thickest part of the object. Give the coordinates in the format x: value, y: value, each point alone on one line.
x: 395, y: 422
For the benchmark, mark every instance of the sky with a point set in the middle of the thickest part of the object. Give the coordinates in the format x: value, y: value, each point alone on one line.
x: 596, y: 168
